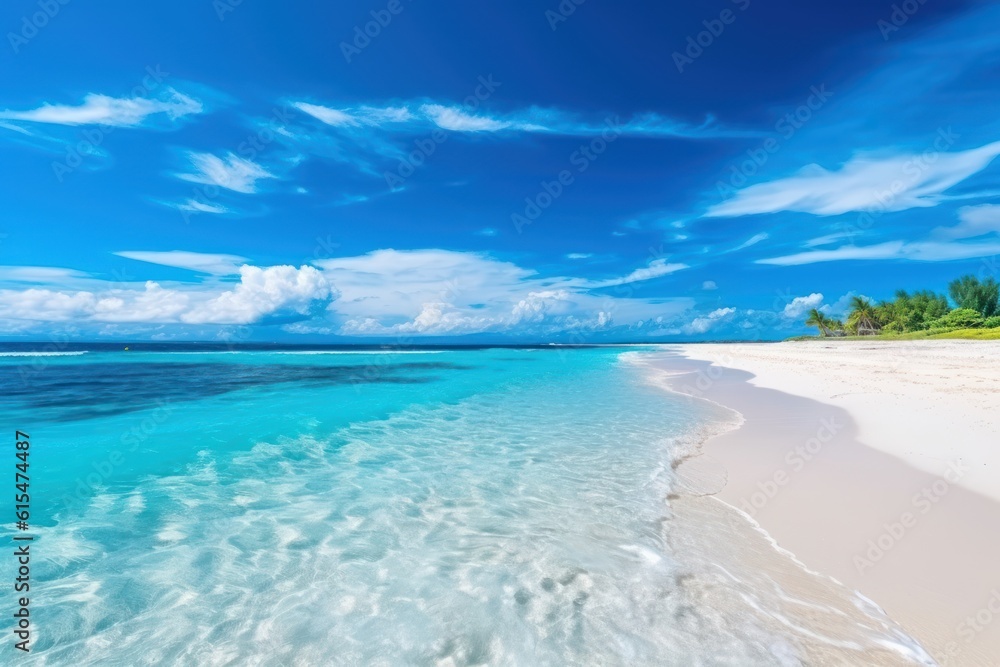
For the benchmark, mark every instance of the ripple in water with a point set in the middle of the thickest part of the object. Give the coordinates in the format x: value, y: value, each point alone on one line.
x: 525, y: 526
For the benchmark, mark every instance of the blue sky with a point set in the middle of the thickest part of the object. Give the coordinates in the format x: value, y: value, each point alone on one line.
x: 495, y: 170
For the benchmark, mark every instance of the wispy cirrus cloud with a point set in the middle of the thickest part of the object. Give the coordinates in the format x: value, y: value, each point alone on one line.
x: 39, y: 274
x: 656, y: 269
x: 195, y: 206
x: 752, y: 241
x: 865, y: 182
x: 211, y: 263
x: 99, y: 109
x: 230, y: 171
x: 419, y: 116
x: 973, y: 221
x: 354, y: 117
x: 944, y: 243
x: 922, y: 251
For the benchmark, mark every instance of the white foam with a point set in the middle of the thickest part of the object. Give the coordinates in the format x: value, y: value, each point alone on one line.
x: 308, y: 352
x: 42, y: 354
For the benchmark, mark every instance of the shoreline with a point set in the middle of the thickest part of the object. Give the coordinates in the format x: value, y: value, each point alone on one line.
x: 810, y: 466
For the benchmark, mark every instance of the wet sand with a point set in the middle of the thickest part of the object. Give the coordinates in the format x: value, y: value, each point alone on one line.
x: 872, y: 463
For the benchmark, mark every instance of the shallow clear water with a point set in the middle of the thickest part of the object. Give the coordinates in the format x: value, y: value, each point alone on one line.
x: 456, y: 507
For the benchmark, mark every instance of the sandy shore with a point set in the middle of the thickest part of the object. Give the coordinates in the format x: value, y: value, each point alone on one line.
x: 876, y: 463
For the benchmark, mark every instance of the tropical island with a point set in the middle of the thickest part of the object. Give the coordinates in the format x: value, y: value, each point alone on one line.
x: 971, y: 312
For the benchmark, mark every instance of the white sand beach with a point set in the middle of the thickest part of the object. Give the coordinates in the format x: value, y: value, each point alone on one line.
x: 877, y: 463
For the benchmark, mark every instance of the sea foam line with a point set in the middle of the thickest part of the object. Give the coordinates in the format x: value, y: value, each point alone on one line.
x: 41, y: 354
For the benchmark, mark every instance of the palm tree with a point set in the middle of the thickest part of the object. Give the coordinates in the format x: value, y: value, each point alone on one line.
x: 863, y: 318
x: 818, y: 320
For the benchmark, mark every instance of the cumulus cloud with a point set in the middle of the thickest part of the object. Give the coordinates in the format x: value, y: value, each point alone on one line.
x: 263, y: 291
x: 864, y: 183
x: 440, y: 291
x: 260, y: 292
x: 700, y: 325
x: 801, y: 305
x: 841, y: 305
x: 111, y: 111
x: 385, y: 292
x: 230, y: 171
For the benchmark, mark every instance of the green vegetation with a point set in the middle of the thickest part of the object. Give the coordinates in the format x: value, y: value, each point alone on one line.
x: 921, y: 315
x: 968, y: 292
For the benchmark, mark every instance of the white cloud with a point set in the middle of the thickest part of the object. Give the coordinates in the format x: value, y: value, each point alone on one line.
x: 801, y: 305
x: 840, y: 307
x: 656, y: 268
x: 440, y: 291
x: 196, y: 206
x: 111, y: 111
x: 456, y: 120
x: 827, y: 239
x: 418, y: 116
x: 864, y: 183
x: 327, y: 115
x: 579, y: 255
x: 753, y: 240
x: 709, y: 285
x: 231, y: 172
x: 923, y: 251
x: 260, y: 292
x: 215, y: 264
x: 974, y: 221
x: 38, y: 274
x: 536, y: 306
x: 701, y: 325
x: 374, y: 116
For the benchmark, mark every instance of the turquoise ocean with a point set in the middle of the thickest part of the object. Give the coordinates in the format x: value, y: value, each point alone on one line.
x: 219, y: 505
